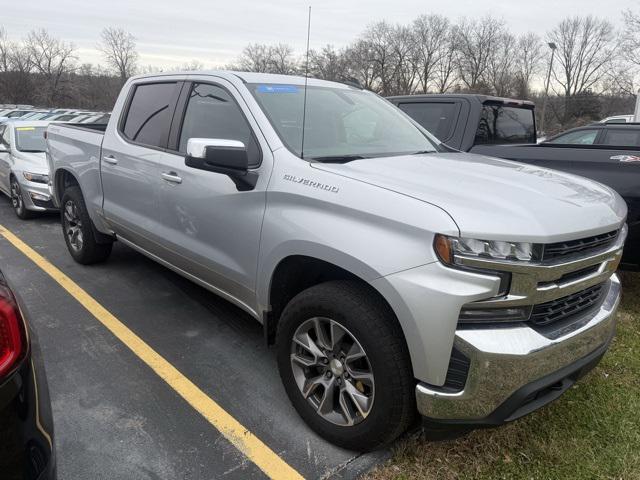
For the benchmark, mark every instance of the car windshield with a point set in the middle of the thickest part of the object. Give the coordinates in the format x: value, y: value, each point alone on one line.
x: 341, y: 124
x: 30, y: 139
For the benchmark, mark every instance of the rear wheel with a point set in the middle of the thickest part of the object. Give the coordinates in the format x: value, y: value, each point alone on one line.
x: 78, y: 230
x: 17, y: 201
x: 345, y: 365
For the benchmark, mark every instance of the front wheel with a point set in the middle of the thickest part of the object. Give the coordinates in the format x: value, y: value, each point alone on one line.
x: 17, y: 201
x: 78, y: 230
x: 345, y: 365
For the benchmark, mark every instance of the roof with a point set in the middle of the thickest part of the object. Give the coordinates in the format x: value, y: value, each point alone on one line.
x: 472, y: 96
x: 251, y: 77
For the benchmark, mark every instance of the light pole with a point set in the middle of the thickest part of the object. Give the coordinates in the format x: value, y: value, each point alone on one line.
x: 553, y: 47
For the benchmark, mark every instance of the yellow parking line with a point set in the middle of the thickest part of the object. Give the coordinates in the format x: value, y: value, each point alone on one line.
x: 245, y: 441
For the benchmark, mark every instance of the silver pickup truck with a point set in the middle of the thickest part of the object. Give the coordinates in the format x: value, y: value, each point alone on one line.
x: 393, y: 275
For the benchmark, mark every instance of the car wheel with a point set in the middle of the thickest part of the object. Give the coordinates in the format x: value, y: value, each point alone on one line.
x: 17, y: 201
x: 78, y: 230
x: 345, y: 365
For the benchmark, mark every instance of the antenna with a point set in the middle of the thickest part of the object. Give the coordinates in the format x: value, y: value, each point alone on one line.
x: 306, y: 79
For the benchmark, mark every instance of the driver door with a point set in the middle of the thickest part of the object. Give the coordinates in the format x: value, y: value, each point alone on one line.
x: 211, y: 228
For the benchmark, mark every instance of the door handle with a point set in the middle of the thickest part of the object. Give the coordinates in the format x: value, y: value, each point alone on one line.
x: 171, y: 177
x: 110, y: 159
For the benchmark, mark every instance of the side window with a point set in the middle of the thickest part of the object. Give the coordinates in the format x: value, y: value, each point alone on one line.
x: 622, y: 138
x: 581, y: 137
x: 149, y: 114
x: 437, y: 118
x: 213, y: 113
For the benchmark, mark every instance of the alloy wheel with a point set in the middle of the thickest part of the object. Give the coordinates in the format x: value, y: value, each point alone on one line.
x: 73, y: 225
x: 332, y: 371
x: 16, y: 196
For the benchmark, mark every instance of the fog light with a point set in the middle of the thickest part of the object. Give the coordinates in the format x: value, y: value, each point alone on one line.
x: 39, y: 196
x: 494, y: 315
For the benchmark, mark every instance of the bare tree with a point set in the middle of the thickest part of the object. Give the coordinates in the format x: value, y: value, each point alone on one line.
x: 431, y: 35
x: 586, y: 47
x: 501, y: 66
x: 404, y: 72
x: 477, y: 42
x: 529, y: 55
x: 377, y: 38
x: 630, y: 37
x: 445, y: 75
x: 282, y: 59
x: 328, y: 64
x: 53, y: 60
x: 266, y: 59
x: 359, y: 64
x: 193, y: 66
x: 119, y: 49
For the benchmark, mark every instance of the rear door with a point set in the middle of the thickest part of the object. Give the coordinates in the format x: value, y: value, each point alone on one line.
x: 133, y: 152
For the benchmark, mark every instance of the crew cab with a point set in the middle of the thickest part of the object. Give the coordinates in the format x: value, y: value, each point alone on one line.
x: 394, y: 275
x: 505, y: 128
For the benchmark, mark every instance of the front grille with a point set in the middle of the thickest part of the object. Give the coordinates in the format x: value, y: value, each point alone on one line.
x: 565, y: 307
x: 562, y: 249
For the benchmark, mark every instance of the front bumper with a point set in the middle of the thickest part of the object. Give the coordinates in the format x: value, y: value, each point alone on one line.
x: 36, y: 196
x: 516, y: 369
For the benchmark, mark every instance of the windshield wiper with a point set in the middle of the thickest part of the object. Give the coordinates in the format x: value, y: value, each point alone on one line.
x: 337, y: 158
x: 32, y: 151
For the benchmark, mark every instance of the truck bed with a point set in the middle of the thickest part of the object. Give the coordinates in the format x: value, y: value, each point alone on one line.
x: 77, y: 149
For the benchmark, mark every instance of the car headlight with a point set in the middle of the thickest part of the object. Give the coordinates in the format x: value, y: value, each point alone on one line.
x: 451, y: 249
x: 36, y: 177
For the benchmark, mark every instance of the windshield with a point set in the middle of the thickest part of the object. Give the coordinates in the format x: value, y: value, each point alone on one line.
x: 30, y: 139
x: 340, y: 123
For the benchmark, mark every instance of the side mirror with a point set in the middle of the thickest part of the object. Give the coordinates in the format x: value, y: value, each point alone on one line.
x: 228, y: 157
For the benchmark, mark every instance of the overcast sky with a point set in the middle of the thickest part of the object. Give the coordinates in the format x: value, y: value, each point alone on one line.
x: 171, y: 33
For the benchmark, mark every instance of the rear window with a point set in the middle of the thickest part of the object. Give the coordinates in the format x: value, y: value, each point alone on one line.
x: 437, y: 118
x: 502, y: 124
x: 622, y: 138
x: 149, y: 115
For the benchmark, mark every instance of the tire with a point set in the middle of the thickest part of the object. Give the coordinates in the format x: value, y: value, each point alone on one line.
x: 357, y: 310
x: 17, y: 201
x: 78, y: 230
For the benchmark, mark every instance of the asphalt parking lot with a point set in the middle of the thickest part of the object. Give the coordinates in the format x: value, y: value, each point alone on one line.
x: 116, y: 417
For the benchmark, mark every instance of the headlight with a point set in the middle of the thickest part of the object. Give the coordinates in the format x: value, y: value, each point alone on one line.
x: 450, y: 249
x: 36, y: 177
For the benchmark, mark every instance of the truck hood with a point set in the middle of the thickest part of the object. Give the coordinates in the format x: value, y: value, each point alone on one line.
x: 31, y: 162
x: 494, y: 199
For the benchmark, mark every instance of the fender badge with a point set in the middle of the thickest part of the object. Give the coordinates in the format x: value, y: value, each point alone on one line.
x: 626, y: 158
x: 311, y: 183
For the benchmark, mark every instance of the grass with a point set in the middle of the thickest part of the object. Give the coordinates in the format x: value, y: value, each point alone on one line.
x: 592, y: 432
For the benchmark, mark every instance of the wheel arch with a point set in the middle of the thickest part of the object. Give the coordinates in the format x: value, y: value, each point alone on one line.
x: 297, y: 272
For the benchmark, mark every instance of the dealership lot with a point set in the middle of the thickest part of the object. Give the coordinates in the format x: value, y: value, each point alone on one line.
x: 114, y: 416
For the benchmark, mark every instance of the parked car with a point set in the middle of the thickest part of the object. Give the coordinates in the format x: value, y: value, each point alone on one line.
x: 15, y: 114
x: 393, y: 274
x: 26, y: 425
x: 618, y: 119
x: 605, y: 135
x: 98, y: 118
x: 24, y: 172
x: 505, y: 128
